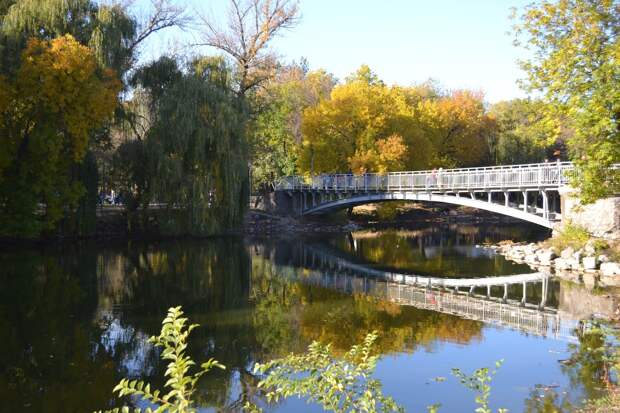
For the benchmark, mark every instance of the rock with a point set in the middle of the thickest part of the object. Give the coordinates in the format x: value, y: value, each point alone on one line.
x: 561, y: 264
x: 531, y: 248
x: 577, y: 255
x: 603, y: 258
x: 610, y: 281
x: 574, y: 264
x: 546, y: 256
x: 567, y: 253
x: 531, y: 259
x: 590, y: 263
x: 610, y: 268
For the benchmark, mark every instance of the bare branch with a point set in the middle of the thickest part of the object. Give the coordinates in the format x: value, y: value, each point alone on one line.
x: 164, y: 15
x: 251, y: 26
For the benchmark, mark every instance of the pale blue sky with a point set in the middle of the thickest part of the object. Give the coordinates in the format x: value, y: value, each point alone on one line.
x: 461, y: 44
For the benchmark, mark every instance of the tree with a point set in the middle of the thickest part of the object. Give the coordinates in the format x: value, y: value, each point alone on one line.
x: 575, y: 63
x: 196, y: 152
x: 275, y: 132
x: 458, y: 127
x: 525, y: 133
x: 55, y: 101
x: 114, y: 37
x: 364, y: 126
x: 251, y: 26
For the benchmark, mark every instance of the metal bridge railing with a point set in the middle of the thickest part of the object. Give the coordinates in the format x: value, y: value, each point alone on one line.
x: 549, y: 174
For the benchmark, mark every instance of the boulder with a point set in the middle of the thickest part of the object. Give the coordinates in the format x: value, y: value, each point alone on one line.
x: 561, y: 264
x: 575, y: 264
x: 567, y: 253
x: 590, y: 263
x: 531, y: 248
x: 610, y: 281
x: 546, y: 256
x: 531, y: 259
x: 603, y: 258
x: 610, y: 268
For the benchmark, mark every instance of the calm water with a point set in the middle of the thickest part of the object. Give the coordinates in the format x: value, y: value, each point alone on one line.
x: 74, y: 320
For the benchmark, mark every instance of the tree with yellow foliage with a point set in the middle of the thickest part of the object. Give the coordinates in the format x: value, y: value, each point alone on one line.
x: 458, y: 127
x: 365, y: 126
x: 56, y: 99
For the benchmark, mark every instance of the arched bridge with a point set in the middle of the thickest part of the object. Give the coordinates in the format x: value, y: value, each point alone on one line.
x: 528, y: 192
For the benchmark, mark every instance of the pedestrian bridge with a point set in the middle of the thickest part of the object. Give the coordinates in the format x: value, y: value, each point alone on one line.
x: 528, y: 192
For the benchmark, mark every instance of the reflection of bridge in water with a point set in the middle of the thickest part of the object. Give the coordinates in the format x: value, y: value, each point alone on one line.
x: 457, y: 296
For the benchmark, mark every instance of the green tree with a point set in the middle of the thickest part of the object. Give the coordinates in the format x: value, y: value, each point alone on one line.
x: 524, y: 134
x: 275, y: 131
x: 55, y: 101
x: 196, y: 152
x: 575, y: 63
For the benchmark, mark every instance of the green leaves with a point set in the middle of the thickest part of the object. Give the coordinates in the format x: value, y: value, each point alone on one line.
x: 576, y: 65
x: 479, y: 382
x: 337, y: 384
x: 182, y: 385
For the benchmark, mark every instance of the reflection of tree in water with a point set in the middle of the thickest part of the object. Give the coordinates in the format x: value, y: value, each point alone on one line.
x: 47, y: 358
x: 429, y: 253
x: 289, y: 315
x: 592, y: 359
x: 589, y: 368
x: 543, y: 400
x: 72, y: 322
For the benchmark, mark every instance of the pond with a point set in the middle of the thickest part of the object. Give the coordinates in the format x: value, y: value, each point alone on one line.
x: 74, y: 319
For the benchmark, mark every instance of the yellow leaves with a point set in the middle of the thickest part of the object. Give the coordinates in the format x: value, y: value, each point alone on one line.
x: 59, y: 80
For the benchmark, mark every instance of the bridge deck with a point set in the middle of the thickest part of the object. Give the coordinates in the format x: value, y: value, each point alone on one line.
x: 541, y: 175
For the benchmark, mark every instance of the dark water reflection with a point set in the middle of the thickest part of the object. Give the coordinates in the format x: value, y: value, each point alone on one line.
x: 75, y: 319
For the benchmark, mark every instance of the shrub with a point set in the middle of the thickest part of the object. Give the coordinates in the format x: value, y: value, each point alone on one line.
x: 182, y: 384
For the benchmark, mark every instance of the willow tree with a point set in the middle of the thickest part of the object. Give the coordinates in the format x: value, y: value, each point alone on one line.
x: 196, y: 147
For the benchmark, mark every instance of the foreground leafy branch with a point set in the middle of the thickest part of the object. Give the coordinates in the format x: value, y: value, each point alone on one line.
x: 480, y: 382
x: 337, y: 384
x: 181, y: 384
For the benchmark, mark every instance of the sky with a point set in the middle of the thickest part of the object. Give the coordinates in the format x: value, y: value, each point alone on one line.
x: 459, y: 43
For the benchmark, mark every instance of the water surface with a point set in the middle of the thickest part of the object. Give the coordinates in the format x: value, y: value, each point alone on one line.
x: 75, y: 319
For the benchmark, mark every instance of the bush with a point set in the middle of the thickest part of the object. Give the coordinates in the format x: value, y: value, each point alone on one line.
x: 572, y: 236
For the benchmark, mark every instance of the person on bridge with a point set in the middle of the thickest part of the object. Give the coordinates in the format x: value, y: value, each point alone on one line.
x: 431, y: 180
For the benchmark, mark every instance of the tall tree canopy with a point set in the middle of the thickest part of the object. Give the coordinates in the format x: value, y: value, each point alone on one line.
x: 195, y: 151
x: 575, y: 63
x: 47, y: 111
x: 525, y: 134
x: 275, y: 130
x: 109, y: 38
x: 366, y: 126
x: 363, y: 126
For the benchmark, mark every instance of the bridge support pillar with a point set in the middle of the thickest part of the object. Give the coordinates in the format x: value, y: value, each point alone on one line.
x: 545, y: 199
x: 489, y: 197
x: 505, y: 297
x: 525, y: 201
x: 523, y: 300
x: 506, y: 198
